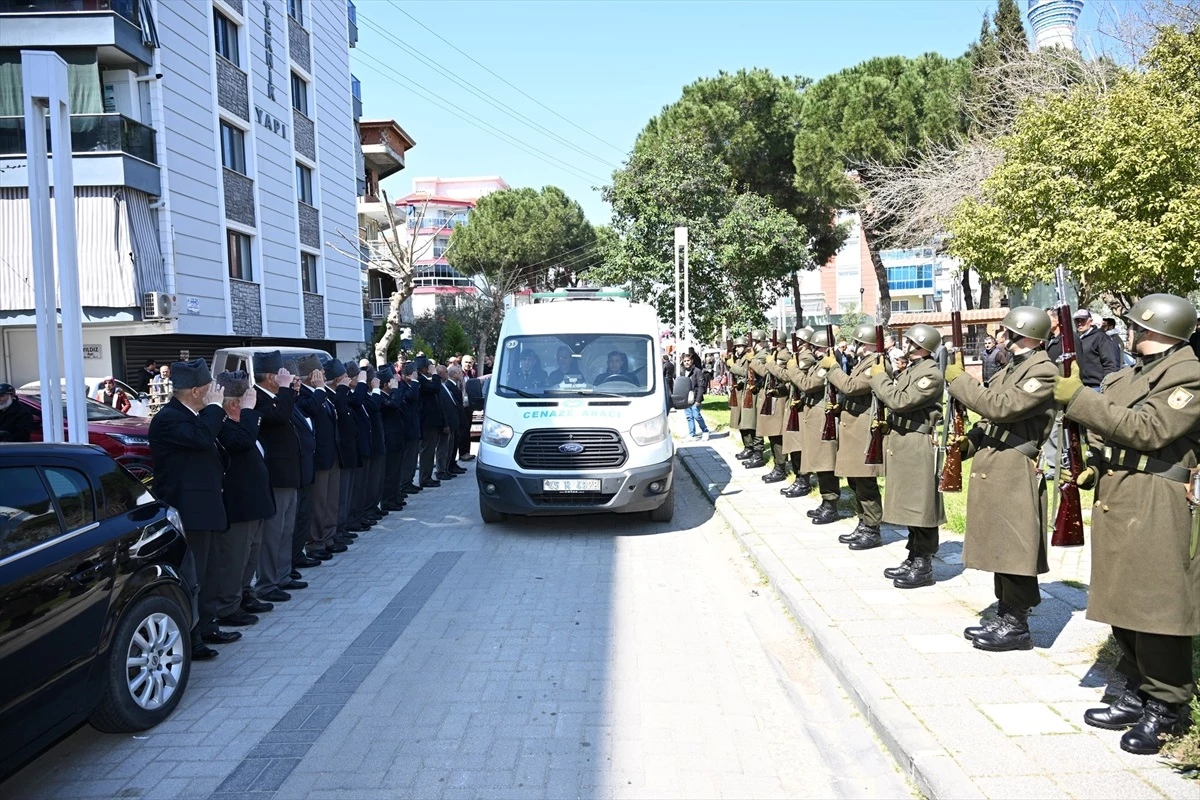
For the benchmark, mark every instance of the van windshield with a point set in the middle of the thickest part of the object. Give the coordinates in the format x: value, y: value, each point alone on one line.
x: 556, y: 365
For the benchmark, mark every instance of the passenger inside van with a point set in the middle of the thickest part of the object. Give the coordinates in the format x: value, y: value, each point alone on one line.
x: 617, y: 369
x: 568, y: 365
x: 529, y: 375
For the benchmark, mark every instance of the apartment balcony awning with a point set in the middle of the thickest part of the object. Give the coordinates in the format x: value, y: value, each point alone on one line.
x: 941, y: 319
x: 115, y: 236
x: 384, y: 144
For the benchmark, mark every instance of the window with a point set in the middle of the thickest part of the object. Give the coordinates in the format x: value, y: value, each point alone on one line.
x: 123, y: 492
x: 27, y: 517
x: 899, y: 305
x: 308, y: 272
x: 910, y: 278
x: 296, y: 10
x: 439, y: 247
x: 226, y: 33
x: 549, y: 365
x: 304, y: 189
x: 299, y: 94
x: 233, y: 148
x: 74, y: 495
x: 240, y: 264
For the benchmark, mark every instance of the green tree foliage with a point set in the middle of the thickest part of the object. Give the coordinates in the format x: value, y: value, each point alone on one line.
x: 1107, y: 184
x: 882, y: 111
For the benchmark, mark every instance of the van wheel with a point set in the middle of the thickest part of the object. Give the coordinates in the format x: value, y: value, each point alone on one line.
x: 148, y: 667
x: 665, y: 512
x: 490, y: 515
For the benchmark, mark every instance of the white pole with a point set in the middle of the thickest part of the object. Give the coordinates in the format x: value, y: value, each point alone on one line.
x: 687, y: 295
x: 678, y: 329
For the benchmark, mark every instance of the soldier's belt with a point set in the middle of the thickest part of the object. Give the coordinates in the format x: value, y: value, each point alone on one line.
x: 1134, y: 461
x: 904, y: 426
x: 1004, y: 439
x: 856, y: 405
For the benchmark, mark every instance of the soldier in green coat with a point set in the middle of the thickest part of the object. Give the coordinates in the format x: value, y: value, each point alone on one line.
x: 914, y: 406
x: 735, y: 396
x: 819, y: 456
x: 796, y: 370
x: 855, y: 426
x: 1006, y: 498
x: 772, y: 425
x: 748, y: 416
x: 1143, y: 427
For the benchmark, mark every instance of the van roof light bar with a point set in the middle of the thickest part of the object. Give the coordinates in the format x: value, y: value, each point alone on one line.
x: 579, y: 293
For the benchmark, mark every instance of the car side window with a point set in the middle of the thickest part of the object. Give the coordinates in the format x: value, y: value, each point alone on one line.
x: 27, y: 517
x: 74, y: 494
x: 122, y: 492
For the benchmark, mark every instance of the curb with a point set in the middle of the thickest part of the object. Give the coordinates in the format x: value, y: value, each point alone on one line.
x: 932, y: 769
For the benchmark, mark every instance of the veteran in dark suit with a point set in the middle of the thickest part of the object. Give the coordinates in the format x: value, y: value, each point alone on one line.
x: 306, y: 436
x: 314, y: 402
x: 338, y: 382
x: 281, y: 450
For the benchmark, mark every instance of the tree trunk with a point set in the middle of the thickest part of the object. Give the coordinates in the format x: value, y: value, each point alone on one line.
x: 968, y: 298
x: 885, y: 294
x: 391, y: 328
x: 796, y: 300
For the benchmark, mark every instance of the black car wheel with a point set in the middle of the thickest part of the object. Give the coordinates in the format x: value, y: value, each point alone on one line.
x: 148, y: 667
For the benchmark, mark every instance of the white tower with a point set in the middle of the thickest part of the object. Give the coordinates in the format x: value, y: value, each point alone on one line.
x: 1053, y: 22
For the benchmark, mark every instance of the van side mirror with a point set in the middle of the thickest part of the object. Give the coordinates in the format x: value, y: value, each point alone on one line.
x: 680, y: 394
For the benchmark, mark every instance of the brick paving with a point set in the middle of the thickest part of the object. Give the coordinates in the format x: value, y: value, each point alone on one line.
x: 963, y: 722
x: 587, y: 657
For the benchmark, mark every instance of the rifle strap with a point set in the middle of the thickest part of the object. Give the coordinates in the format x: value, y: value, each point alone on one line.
x: 1004, y: 439
x: 1135, y: 461
x: 904, y: 426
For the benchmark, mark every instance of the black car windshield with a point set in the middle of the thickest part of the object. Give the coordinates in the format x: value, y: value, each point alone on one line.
x: 96, y: 412
x: 571, y: 364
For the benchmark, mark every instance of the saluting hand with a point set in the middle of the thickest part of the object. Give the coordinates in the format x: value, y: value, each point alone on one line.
x: 1065, y: 389
x: 317, y: 378
x: 283, y: 378
x: 214, y: 395
x: 248, y: 399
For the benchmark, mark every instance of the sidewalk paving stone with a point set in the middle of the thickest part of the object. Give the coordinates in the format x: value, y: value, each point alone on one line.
x: 961, y: 722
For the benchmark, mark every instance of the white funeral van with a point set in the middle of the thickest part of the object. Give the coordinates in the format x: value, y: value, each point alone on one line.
x: 575, y: 418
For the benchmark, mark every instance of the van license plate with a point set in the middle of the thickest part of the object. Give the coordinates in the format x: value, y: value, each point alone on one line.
x: 591, y: 485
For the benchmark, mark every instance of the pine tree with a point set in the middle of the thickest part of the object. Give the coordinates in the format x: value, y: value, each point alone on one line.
x: 1011, y: 39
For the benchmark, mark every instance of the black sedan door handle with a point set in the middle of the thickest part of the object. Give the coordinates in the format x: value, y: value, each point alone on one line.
x: 86, y: 573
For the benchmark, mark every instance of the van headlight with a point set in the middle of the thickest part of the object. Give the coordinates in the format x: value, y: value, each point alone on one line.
x: 495, y: 433
x: 649, y: 432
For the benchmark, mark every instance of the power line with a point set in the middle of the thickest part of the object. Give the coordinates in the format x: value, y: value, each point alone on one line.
x: 470, y: 118
x: 563, y: 253
x: 465, y: 84
x: 504, y: 81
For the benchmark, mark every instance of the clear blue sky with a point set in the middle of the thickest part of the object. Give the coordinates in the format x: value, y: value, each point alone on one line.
x: 607, y: 67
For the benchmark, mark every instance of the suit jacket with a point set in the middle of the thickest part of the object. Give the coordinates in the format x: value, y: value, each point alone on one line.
x: 393, y: 419
x: 307, y: 437
x: 247, y: 483
x: 347, y: 429
x: 374, y: 405
x: 431, y: 409
x: 450, y: 403
x: 411, y: 397
x: 316, y: 405
x: 474, y: 394
x: 188, y: 470
x: 278, y: 437
x: 358, y: 407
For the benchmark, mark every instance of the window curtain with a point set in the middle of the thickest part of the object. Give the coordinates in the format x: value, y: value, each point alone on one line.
x: 11, y: 102
x: 83, y: 82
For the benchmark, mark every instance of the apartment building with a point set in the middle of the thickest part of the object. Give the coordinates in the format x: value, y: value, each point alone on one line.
x: 216, y: 163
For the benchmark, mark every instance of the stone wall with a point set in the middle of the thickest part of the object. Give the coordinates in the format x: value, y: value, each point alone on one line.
x: 247, y: 308
x: 239, y: 197
x: 233, y: 92
x: 314, y: 316
x: 310, y: 225
x: 298, y: 45
x: 305, y: 135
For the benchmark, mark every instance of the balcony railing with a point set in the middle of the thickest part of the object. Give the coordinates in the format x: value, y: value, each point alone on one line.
x: 126, y: 8
x: 90, y: 133
x: 379, y: 307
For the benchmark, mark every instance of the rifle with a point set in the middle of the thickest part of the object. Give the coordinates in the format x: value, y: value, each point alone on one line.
x: 733, y: 398
x: 951, y: 479
x: 875, y: 446
x: 748, y: 392
x: 829, y: 432
x: 793, y: 423
x: 768, y: 404
x: 1068, y: 524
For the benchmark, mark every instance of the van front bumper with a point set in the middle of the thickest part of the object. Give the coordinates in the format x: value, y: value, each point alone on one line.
x: 625, y: 492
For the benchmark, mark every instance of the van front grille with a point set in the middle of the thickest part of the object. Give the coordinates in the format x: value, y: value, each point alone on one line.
x: 571, y: 499
x: 551, y: 449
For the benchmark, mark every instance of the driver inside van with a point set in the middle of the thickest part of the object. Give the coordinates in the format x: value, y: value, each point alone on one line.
x: 567, y: 366
x: 616, y: 369
x: 529, y: 375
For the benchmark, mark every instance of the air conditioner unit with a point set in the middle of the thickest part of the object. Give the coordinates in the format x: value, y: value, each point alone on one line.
x: 159, y: 305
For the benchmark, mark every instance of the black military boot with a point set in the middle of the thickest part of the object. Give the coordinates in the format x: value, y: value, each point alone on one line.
x: 755, y: 461
x: 826, y: 513
x: 847, y: 538
x: 801, y: 487
x: 745, y: 453
x: 903, y: 567
x: 1010, y: 632
x: 1124, y: 712
x: 985, y: 623
x: 869, y: 539
x: 775, y: 475
x: 1159, y: 719
x: 918, y: 574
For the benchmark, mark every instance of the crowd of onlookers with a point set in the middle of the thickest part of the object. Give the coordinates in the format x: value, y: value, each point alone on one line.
x: 282, y: 469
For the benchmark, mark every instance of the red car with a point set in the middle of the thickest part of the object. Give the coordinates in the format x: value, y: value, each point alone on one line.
x: 124, y: 438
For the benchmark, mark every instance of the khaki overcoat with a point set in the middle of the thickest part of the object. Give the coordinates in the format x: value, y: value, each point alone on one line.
x: 913, y: 399
x: 815, y: 455
x: 768, y: 424
x: 748, y: 415
x: 1006, y: 496
x: 736, y: 388
x: 1143, y: 577
x: 793, y: 440
x: 854, y: 423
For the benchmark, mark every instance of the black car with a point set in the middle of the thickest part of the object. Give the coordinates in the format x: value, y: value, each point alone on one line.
x: 95, y: 610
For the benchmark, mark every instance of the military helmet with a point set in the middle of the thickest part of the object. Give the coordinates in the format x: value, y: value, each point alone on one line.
x: 1028, y: 321
x: 805, y: 334
x: 819, y: 338
x: 758, y: 335
x: 740, y: 341
x: 1165, y: 314
x: 864, y: 332
x: 924, y: 336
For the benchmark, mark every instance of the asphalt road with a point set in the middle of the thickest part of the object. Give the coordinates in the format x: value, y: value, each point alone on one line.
x: 587, y: 657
